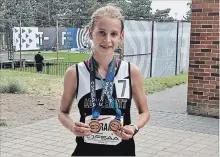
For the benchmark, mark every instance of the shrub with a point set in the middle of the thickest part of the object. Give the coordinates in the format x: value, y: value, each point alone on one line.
x: 3, y: 122
x: 11, y: 86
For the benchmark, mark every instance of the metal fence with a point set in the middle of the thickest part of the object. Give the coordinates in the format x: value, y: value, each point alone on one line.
x: 49, y: 68
x: 158, y: 48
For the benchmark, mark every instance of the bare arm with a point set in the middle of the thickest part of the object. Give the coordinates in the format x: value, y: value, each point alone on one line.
x: 69, y: 93
x: 140, y: 99
x: 139, y: 96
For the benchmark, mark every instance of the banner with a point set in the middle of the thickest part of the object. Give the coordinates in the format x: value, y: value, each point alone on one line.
x: 34, y: 38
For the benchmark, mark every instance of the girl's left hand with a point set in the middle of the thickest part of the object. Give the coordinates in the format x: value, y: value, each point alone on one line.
x: 126, y: 132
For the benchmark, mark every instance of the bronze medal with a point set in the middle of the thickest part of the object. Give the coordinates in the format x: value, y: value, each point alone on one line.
x: 95, y: 126
x: 115, y: 125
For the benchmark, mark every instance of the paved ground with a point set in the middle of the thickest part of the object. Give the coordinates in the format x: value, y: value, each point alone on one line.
x: 170, y: 132
x: 170, y: 100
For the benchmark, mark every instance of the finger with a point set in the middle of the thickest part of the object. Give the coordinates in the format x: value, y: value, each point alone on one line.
x: 86, y: 125
x: 79, y: 133
x: 85, y: 129
x: 128, y: 130
x: 118, y: 133
x: 80, y: 124
x: 81, y: 129
x: 125, y: 136
x: 87, y: 133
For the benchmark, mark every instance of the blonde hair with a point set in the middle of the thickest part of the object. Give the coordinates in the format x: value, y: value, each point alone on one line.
x: 109, y: 11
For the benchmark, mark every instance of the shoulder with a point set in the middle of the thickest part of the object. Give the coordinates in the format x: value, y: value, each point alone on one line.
x: 71, y: 72
x: 70, y: 78
x: 134, y: 69
x: 135, y: 73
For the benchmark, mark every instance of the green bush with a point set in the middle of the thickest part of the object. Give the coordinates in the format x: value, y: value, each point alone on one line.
x: 11, y: 86
x: 33, y: 83
x: 3, y: 122
x: 153, y: 85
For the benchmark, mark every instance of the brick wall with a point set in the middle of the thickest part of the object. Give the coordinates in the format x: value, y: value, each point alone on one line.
x: 203, y: 78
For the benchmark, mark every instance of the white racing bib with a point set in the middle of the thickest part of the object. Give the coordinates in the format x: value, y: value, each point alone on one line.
x: 105, y: 135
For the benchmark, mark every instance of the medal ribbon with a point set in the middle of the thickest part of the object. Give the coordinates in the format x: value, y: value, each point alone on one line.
x: 107, y: 90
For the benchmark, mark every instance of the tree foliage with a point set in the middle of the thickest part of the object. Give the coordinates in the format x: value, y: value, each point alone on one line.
x: 70, y: 13
x: 161, y: 15
x: 188, y: 16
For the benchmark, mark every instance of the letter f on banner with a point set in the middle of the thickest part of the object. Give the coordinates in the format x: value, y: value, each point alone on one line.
x: 63, y: 37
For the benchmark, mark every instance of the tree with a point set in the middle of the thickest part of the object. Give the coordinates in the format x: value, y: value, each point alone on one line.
x: 138, y: 10
x: 15, y: 9
x: 44, y: 12
x: 10, y: 13
x: 26, y: 12
x: 71, y: 13
x: 163, y: 15
x: 76, y: 13
x: 188, y: 16
x: 131, y: 9
x: 2, y: 14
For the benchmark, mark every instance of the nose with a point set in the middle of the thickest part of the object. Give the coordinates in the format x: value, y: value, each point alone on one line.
x: 108, y: 38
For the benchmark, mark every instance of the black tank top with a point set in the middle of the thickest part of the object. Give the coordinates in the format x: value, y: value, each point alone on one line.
x: 122, y: 92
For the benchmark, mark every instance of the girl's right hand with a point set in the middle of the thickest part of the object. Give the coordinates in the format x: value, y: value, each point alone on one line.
x: 80, y: 129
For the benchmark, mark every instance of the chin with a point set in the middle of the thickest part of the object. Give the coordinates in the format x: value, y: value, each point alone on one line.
x: 108, y: 52
x: 101, y: 51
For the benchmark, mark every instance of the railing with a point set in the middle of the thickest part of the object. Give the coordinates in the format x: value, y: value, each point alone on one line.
x: 43, y: 68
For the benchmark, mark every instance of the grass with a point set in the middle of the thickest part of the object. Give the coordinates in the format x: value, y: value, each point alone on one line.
x: 11, y: 86
x: 51, y: 85
x: 34, y: 84
x: 153, y: 85
x: 50, y: 69
x: 67, y: 57
x: 60, y: 68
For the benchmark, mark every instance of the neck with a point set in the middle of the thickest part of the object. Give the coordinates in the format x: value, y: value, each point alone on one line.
x: 103, y: 61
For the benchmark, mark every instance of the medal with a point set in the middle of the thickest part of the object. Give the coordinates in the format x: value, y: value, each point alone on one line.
x: 107, y: 91
x: 115, y: 125
x: 95, y: 126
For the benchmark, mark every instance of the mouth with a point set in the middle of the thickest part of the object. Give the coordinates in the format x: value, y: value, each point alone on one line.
x: 106, y: 47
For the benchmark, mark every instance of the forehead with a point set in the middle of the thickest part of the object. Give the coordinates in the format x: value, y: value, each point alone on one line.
x: 108, y: 24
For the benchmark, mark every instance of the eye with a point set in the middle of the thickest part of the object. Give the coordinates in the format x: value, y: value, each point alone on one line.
x: 114, y: 34
x: 102, y: 33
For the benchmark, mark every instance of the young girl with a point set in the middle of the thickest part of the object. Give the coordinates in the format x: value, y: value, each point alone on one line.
x: 104, y: 87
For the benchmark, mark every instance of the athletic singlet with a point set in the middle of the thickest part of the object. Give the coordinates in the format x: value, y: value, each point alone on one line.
x: 122, y: 91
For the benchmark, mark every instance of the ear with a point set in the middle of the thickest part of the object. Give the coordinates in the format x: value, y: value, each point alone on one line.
x: 122, y: 35
x: 90, y: 34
